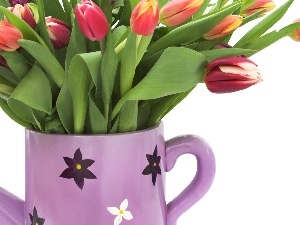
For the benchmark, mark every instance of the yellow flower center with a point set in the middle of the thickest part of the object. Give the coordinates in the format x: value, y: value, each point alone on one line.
x: 154, y: 164
x: 121, y: 211
x: 78, y: 166
x: 36, y: 223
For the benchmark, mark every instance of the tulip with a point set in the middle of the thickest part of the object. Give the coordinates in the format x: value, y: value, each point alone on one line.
x: 176, y: 12
x: 223, y: 28
x: 91, y: 20
x: 230, y: 74
x: 3, y: 62
x: 15, y: 2
x: 266, y: 5
x: 24, y: 13
x: 9, y: 36
x: 295, y: 35
x: 58, y: 31
x: 144, y: 17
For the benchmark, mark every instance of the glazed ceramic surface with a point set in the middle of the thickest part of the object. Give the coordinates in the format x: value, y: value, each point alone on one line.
x: 105, y: 179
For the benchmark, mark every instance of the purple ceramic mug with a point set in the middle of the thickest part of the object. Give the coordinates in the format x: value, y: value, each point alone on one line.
x: 105, y: 179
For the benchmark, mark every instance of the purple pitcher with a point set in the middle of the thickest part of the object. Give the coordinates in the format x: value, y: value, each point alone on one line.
x: 105, y: 179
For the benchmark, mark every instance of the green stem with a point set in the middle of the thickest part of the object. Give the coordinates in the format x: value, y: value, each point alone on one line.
x: 106, y: 115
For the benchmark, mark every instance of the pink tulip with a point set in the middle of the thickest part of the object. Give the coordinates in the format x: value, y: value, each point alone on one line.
x: 91, y: 20
x: 9, y: 36
x: 176, y: 12
x: 295, y: 35
x: 266, y: 5
x: 223, y: 28
x: 144, y: 17
x: 23, y: 12
x: 230, y: 74
x: 58, y: 31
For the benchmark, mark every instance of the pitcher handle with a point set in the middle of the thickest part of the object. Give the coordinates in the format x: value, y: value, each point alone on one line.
x: 203, y: 179
x: 11, y: 209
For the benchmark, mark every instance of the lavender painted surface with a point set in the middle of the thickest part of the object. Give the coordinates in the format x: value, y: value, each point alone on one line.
x: 122, y: 168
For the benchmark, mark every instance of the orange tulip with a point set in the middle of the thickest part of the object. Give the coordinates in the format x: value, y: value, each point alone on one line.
x: 226, y: 26
x: 9, y: 36
x: 176, y: 12
x: 266, y: 5
x: 295, y: 35
x: 144, y: 17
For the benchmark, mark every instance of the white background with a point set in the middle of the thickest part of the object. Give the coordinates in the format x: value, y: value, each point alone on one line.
x: 254, y: 134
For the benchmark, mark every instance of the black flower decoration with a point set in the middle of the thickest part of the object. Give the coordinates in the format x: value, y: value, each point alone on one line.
x: 35, y: 219
x: 153, y: 167
x: 78, y: 169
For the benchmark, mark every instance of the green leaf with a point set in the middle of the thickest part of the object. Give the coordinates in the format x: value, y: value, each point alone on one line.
x: 54, y: 8
x: 202, y: 9
x: 225, y: 52
x: 9, y: 75
x: 270, y: 38
x: 64, y: 107
x: 45, y: 58
x: 192, y: 30
x: 165, y: 105
x: 16, y: 62
x: 95, y: 121
x: 79, y: 82
x: 68, y: 11
x: 34, y: 91
x: 128, y: 63
x: 54, y: 126
x: 168, y: 76
x: 109, y: 66
x: 13, y: 115
x: 6, y: 87
x: 42, y: 25
x: 128, y: 117
x: 264, y: 25
x: 77, y: 43
x: 142, y: 47
x: 27, y: 31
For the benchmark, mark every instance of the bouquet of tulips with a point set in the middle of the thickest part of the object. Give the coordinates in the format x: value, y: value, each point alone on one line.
x: 107, y: 66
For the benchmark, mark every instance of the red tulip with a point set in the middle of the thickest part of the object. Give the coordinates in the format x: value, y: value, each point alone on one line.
x: 24, y: 13
x: 58, y: 31
x: 267, y: 5
x: 9, y: 36
x: 15, y: 2
x: 91, y: 20
x: 144, y: 17
x: 176, y: 12
x: 295, y: 35
x: 223, y: 28
x: 230, y: 74
x: 3, y: 62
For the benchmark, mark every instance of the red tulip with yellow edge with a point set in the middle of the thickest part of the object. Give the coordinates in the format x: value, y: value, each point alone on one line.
x: 230, y: 74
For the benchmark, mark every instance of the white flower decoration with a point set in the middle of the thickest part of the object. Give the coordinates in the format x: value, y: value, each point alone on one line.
x: 120, y: 213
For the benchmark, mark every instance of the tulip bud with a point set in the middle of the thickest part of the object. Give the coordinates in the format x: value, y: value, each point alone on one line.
x: 91, y: 20
x: 230, y: 74
x: 9, y: 36
x: 223, y: 28
x: 266, y: 5
x: 295, y: 35
x: 58, y: 31
x: 15, y: 2
x: 23, y: 12
x: 176, y: 12
x: 144, y: 17
x: 3, y: 62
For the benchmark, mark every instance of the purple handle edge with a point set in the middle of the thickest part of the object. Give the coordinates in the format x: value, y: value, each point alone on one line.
x: 12, y: 209
x: 203, y: 179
